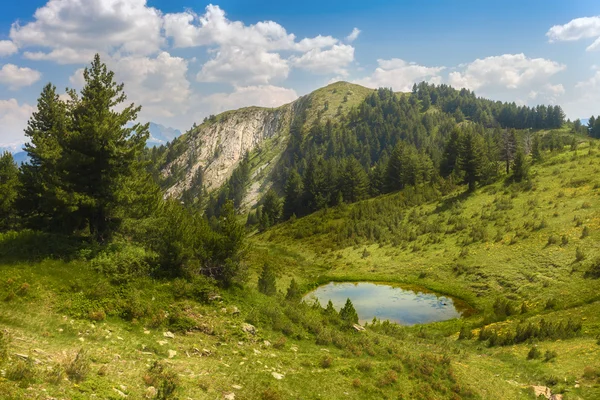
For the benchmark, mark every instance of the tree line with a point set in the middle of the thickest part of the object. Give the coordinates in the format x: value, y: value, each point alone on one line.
x: 392, y: 141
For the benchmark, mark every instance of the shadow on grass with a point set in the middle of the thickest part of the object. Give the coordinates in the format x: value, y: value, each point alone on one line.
x: 28, y: 245
x: 448, y: 202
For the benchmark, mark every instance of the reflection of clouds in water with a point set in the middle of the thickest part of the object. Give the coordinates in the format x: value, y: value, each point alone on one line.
x: 387, y: 302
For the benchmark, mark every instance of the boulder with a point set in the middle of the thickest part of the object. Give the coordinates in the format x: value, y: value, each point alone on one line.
x: 248, y: 328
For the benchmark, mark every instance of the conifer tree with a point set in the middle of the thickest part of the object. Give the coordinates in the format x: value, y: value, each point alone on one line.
x: 9, y: 181
x: 271, y: 210
x: 293, y: 292
x: 471, y: 158
x: 293, y: 195
x: 354, y: 182
x: 102, y: 155
x: 267, y: 281
x: 348, y: 313
x: 520, y: 167
x: 45, y: 199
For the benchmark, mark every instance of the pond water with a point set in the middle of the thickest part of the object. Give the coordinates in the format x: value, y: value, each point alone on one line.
x: 386, y: 302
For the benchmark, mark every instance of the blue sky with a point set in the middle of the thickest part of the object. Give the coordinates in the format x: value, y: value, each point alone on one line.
x: 183, y: 60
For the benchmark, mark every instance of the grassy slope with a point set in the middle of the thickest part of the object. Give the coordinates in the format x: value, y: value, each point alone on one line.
x: 47, y: 320
x: 522, y: 269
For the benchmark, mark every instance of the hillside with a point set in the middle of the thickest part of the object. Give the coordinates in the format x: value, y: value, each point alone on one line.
x: 215, y: 148
x: 516, y: 253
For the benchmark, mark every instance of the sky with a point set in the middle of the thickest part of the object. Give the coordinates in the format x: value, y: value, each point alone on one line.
x: 183, y: 60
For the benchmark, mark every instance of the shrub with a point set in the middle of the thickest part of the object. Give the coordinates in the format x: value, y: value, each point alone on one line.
x: 465, y: 333
x: 585, y: 232
x: 326, y: 361
x: 594, y: 271
x: 4, y: 343
x: 124, y: 262
x: 388, y: 378
x: 356, y: 383
x: 280, y: 343
x: 579, y: 254
x: 550, y: 355
x: 564, y: 240
x: 22, y: 371
x: 365, y: 366
x: 78, y: 367
x: 534, y: 353
x: 55, y: 374
x: 590, y: 372
x: 163, y: 379
x: 552, y: 240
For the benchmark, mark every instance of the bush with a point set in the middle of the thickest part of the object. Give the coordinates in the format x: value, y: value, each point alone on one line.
x: 550, y: 355
x: 465, y: 333
x: 534, y: 353
x: 594, y: 271
x: 365, y: 366
x: 585, y: 232
x: 389, y: 378
x: 326, y: 361
x: 124, y: 262
x: 552, y: 240
x: 78, y: 367
x: 22, y: 371
x: 293, y: 292
x: 163, y: 379
x: 579, y: 254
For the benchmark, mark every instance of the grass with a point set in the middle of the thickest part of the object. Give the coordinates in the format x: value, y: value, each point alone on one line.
x: 69, y: 332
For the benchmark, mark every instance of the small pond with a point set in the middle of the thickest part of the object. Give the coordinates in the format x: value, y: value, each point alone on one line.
x: 387, y: 302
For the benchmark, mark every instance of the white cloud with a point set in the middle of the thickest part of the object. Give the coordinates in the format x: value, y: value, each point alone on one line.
x: 263, y: 95
x: 122, y: 26
x: 62, y: 55
x: 251, y: 54
x: 333, y: 60
x: 577, y: 29
x: 7, y: 48
x: 353, y: 35
x: 17, y: 77
x: 13, y: 120
x: 241, y: 66
x: 400, y: 75
x: 510, y: 71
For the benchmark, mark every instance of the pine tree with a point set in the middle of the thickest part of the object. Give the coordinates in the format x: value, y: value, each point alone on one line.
x: 9, y: 182
x: 271, y: 210
x: 520, y: 167
x: 267, y: 281
x: 536, y: 149
x: 348, y: 313
x: 293, y: 195
x: 508, y: 148
x: 102, y: 156
x: 471, y: 158
x: 45, y: 199
x: 293, y: 292
x: 354, y: 182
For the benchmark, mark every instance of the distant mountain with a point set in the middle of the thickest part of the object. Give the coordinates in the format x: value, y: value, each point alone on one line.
x: 21, y: 157
x: 160, y: 134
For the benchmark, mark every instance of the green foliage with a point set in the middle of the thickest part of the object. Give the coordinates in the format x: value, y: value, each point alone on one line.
x: 271, y: 210
x: 293, y: 292
x: 520, y: 167
x: 267, y: 281
x: 348, y: 313
x: 22, y: 370
x: 465, y: 333
x: 78, y: 367
x: 594, y: 269
x: 164, y: 379
x: 534, y: 353
x: 123, y: 262
x: 9, y: 185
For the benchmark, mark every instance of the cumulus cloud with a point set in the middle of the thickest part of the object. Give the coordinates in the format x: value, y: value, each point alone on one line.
x: 242, y: 66
x: 251, y: 54
x: 13, y: 120
x: 122, y: 26
x: 353, y: 35
x: 401, y: 75
x: 7, y: 48
x: 262, y: 95
x: 510, y: 71
x: 333, y: 60
x: 17, y: 77
x: 577, y: 29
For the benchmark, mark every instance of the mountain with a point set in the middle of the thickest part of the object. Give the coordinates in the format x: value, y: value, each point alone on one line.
x: 21, y: 157
x: 161, y: 135
x: 217, y: 146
